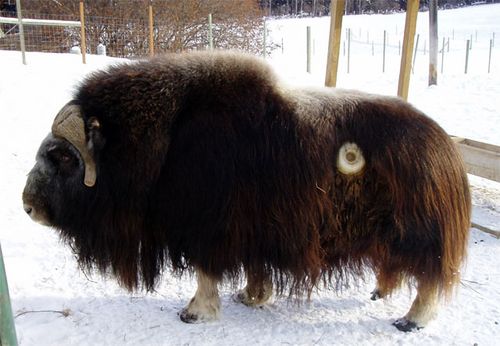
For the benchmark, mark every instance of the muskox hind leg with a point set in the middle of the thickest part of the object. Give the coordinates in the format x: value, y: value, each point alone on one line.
x: 387, y: 281
x: 257, y: 291
x: 205, y: 304
x: 423, y: 309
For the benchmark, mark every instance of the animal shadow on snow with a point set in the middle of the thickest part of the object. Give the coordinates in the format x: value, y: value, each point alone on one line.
x: 118, y: 314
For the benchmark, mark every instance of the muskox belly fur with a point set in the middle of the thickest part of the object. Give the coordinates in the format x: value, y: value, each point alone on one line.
x: 205, y: 162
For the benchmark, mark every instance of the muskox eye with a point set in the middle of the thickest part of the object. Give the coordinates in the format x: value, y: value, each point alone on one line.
x: 64, y: 158
x: 60, y: 157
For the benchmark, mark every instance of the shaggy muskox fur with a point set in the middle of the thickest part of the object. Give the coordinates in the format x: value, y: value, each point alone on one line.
x: 206, y: 161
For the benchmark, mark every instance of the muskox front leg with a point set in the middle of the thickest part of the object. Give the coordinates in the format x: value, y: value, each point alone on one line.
x: 423, y: 309
x: 205, y: 304
x: 257, y: 291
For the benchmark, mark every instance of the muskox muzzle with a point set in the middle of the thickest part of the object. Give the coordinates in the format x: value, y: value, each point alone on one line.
x: 35, y: 195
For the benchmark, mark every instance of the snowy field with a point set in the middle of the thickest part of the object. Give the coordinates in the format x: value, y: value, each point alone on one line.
x: 56, y: 304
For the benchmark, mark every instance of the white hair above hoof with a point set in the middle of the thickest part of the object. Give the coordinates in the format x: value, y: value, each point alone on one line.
x: 350, y: 159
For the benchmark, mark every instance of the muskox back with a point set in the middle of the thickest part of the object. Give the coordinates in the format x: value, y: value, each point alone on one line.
x: 206, y: 161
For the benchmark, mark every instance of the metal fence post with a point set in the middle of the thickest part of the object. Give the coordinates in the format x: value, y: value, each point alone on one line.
x: 21, y: 30
x: 210, y: 36
x: 489, y: 56
x: 467, y: 48
x: 348, y: 50
x: 7, y: 327
x: 308, y: 49
x: 264, y: 40
x: 415, y: 54
x: 383, y: 52
x: 442, y: 56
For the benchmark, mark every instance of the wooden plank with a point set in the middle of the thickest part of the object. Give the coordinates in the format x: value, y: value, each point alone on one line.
x: 332, y: 63
x: 409, y: 35
x: 493, y: 232
x: 481, y: 159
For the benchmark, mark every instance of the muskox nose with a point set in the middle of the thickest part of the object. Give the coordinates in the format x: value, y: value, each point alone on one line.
x: 28, y: 209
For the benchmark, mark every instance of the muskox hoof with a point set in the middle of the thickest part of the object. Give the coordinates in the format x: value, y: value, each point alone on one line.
x: 243, y: 298
x: 405, y: 325
x: 250, y: 300
x: 376, y: 295
x: 200, y: 310
x: 189, y: 317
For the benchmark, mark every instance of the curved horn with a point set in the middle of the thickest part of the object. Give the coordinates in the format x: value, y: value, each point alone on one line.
x: 69, y: 125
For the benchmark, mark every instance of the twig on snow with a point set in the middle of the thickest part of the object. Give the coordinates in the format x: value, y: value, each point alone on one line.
x: 65, y: 312
x: 470, y: 287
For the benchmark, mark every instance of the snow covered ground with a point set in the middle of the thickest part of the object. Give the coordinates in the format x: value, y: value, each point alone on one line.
x: 56, y: 304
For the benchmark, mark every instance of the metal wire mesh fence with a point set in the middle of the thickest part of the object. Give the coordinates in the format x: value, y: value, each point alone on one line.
x: 129, y: 30
x: 40, y: 38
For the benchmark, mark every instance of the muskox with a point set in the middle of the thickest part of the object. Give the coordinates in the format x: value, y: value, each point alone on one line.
x: 205, y: 162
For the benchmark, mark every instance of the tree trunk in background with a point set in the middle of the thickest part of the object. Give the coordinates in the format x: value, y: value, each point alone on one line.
x: 433, y: 42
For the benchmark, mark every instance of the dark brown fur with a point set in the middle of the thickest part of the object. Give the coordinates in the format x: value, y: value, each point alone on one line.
x: 207, y: 162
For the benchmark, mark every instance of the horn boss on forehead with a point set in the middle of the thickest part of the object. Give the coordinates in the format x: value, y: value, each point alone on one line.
x: 69, y: 125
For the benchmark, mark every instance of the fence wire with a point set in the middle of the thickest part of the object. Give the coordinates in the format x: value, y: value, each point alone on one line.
x: 129, y: 37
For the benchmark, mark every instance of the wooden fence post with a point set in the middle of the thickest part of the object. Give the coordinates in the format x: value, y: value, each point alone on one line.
x: 82, y: 33
x: 433, y: 42
x: 332, y: 62
x: 410, y: 28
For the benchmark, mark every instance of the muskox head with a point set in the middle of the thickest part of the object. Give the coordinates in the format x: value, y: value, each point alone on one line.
x: 65, y: 190
x: 65, y: 166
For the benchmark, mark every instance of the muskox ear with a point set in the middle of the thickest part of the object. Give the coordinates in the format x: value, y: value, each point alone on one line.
x: 96, y: 139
